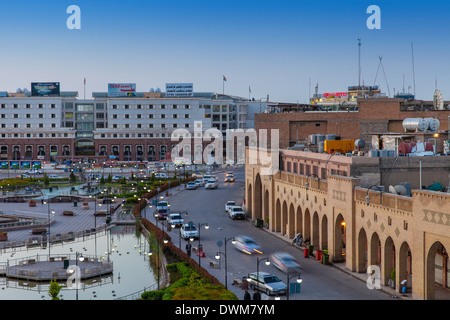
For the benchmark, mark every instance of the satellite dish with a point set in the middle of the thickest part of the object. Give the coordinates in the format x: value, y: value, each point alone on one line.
x: 438, y: 100
x: 398, y: 189
x: 392, y: 190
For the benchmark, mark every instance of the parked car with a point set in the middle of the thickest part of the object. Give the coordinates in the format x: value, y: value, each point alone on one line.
x: 23, y: 176
x: 229, y: 178
x: 267, y: 282
x: 117, y: 178
x: 247, y: 245
x: 191, y: 185
x: 236, y: 212
x: 162, y: 213
x: 285, y: 262
x: 199, y: 182
x: 54, y: 176
x: 162, y: 205
x: 175, y: 220
x: 161, y: 175
x: 34, y: 171
x: 229, y: 204
x: 211, y: 184
x: 189, y: 231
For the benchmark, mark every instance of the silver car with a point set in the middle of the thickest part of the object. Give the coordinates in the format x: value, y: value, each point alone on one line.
x: 267, y: 282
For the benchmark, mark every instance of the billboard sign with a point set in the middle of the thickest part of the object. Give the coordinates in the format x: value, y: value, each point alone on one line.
x: 39, y: 89
x: 335, y: 94
x: 121, y: 89
x: 179, y: 89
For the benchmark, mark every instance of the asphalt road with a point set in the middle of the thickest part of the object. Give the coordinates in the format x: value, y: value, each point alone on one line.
x: 320, y: 282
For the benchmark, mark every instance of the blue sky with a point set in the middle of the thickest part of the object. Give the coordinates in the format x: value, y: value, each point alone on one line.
x: 275, y: 47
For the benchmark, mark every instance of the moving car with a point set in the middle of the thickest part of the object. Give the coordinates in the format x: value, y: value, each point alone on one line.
x: 285, y: 262
x: 236, y: 212
x: 229, y: 204
x: 191, y: 185
x: 229, y: 177
x: 54, y: 176
x: 266, y: 282
x: 199, y: 182
x: 175, y: 220
x: 189, y: 231
x: 247, y: 245
x: 211, y: 184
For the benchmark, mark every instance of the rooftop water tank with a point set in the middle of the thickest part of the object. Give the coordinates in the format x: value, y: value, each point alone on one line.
x: 433, y: 124
x: 415, y: 124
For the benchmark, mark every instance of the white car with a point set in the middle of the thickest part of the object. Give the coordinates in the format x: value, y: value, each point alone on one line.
x: 189, y: 231
x: 199, y: 182
x: 236, y: 212
x: 229, y: 204
x: 175, y: 220
x: 247, y: 245
x: 160, y: 175
x: 212, y: 184
x: 54, y: 176
x: 34, y: 171
x: 162, y: 205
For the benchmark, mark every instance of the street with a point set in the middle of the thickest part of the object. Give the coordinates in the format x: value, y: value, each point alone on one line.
x: 207, y: 206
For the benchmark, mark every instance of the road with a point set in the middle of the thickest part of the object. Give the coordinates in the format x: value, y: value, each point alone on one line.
x: 207, y: 206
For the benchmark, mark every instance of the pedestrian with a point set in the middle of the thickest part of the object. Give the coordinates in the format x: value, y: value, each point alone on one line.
x: 42, y: 199
x: 256, y: 295
x: 188, y: 248
x: 247, y: 295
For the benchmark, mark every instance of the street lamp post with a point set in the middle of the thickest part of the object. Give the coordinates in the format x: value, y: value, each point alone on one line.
x: 225, y: 255
x: 258, y: 261
x: 77, y: 272
x: 289, y: 277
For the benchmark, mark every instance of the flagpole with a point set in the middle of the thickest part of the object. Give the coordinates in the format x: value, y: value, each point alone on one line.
x: 84, y: 88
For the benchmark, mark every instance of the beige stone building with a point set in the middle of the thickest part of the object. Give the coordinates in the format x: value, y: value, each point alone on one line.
x: 360, y: 226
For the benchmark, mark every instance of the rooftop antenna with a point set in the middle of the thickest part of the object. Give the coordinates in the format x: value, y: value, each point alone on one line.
x: 359, y: 62
x: 385, y: 78
x: 414, y: 76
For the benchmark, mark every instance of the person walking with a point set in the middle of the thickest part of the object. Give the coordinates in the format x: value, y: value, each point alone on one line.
x: 247, y: 295
x: 256, y: 295
x: 188, y: 248
x: 42, y: 199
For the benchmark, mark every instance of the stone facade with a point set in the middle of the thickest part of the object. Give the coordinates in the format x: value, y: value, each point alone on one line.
x: 408, y: 234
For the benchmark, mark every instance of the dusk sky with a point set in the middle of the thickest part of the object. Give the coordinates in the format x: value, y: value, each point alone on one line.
x: 275, y: 47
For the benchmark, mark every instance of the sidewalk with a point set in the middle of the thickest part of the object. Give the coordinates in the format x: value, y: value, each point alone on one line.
x: 341, y: 266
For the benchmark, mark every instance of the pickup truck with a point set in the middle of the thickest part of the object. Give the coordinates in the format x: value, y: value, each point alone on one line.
x: 236, y: 212
x: 175, y: 220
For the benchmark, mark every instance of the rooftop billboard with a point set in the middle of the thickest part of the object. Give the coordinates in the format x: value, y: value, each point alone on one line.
x: 121, y: 89
x: 39, y: 89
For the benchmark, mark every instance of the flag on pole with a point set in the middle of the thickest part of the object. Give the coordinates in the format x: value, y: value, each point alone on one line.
x: 249, y: 90
x: 224, y: 79
x: 84, y: 80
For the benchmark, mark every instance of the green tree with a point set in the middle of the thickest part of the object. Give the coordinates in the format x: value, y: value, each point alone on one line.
x: 54, y: 289
x: 109, y: 178
x: 46, y: 179
x: 73, y: 177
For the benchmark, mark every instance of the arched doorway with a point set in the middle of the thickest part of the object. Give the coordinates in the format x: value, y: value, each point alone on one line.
x: 339, y: 239
x: 85, y: 147
x: 299, y: 221
x: 284, y: 218
x: 257, y: 207
x: 315, y: 234
x: 362, y: 251
x: 389, y: 262
x: 266, y: 206
x: 291, y: 222
x: 436, y: 282
x: 277, y: 223
x: 404, y: 268
x: 307, y: 225
x: 250, y: 201
x: 375, y: 247
x: 324, y: 234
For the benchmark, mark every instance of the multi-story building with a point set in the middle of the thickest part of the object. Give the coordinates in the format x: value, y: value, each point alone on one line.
x: 138, y: 127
